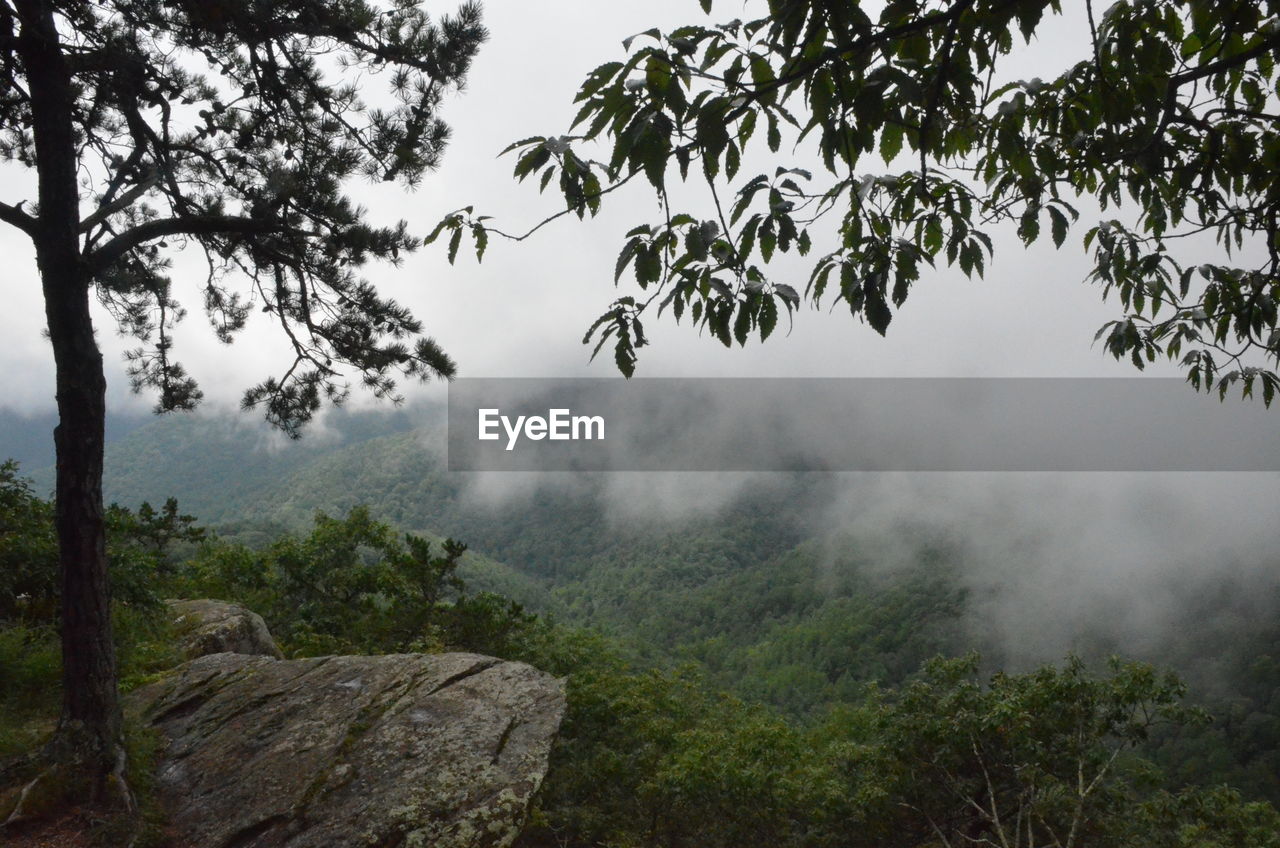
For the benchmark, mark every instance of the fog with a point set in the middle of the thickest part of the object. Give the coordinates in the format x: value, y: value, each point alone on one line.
x: 1047, y: 556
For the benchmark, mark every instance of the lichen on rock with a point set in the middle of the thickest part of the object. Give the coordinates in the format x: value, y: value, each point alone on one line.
x: 215, y: 627
x: 441, y: 750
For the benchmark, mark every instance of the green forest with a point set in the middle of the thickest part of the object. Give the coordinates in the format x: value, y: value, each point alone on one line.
x: 738, y: 675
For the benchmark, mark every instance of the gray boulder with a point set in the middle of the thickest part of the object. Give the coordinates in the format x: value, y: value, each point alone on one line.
x: 411, y: 750
x: 215, y: 627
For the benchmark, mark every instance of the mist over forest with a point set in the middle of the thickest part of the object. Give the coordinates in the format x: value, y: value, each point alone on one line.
x: 795, y: 591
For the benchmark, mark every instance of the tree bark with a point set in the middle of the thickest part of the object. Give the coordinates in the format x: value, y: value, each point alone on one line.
x: 90, y: 728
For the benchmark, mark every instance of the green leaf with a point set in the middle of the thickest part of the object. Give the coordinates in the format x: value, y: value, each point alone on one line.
x: 522, y: 142
x: 746, y: 127
x: 531, y: 161
x: 482, y: 240
x: 747, y: 240
x: 761, y: 71
x: 720, y: 323
x: 654, y: 33
x: 454, y: 241
x: 657, y: 75
x: 742, y: 326
x: 450, y: 221
x: 890, y: 142
x: 1059, y: 224
x: 1029, y: 226
x: 818, y: 281
x: 789, y: 295
x: 597, y: 80
x: 768, y: 240
x: 648, y: 265
x: 624, y: 357
x: 625, y: 257
x: 653, y: 152
x: 768, y: 317
x: 586, y: 339
x: 732, y: 161
x: 877, y: 311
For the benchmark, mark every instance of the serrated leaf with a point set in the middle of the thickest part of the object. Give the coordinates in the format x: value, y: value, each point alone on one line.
x: 657, y: 75
x: 818, y: 281
x: 746, y: 127
x: 768, y: 317
x: 531, y: 161
x: 742, y: 325
x: 1059, y: 224
x: 597, y: 80
x: 454, y: 241
x: 761, y: 71
x: 653, y: 153
x: 877, y: 311
x: 521, y: 143
x: 890, y: 142
x: 625, y: 257
x: 1028, y: 227
x: 789, y: 295
x: 768, y: 240
x: 595, y: 325
x: 732, y: 161
x: 624, y: 357
x: 435, y: 234
x: 648, y: 265
x: 653, y: 33
x: 720, y: 324
x: 747, y: 240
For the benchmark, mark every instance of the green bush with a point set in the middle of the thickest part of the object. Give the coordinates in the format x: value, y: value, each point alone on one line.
x: 354, y: 585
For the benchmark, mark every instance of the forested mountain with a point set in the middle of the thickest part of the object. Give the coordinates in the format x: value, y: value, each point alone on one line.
x: 752, y: 586
x: 750, y: 579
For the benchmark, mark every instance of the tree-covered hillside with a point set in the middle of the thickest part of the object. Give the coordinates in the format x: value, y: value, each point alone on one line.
x: 876, y: 745
x: 754, y: 582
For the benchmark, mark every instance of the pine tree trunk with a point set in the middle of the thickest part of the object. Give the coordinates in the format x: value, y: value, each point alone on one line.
x: 90, y: 727
x: 90, y: 703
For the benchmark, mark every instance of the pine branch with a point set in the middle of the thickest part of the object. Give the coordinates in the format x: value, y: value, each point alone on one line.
x: 195, y: 225
x: 15, y: 216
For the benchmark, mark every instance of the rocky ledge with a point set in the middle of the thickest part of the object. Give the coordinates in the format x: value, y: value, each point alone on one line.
x: 404, y: 751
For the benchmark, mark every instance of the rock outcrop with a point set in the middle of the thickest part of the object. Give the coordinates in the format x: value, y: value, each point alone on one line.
x: 411, y: 750
x: 215, y: 627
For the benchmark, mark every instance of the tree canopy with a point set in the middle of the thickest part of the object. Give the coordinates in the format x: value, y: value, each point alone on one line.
x: 1156, y: 135
x: 232, y: 127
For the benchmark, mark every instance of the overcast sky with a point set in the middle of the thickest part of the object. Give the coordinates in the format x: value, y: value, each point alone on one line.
x: 523, y: 312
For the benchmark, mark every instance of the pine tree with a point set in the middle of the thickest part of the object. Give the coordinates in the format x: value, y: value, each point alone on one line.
x: 229, y: 127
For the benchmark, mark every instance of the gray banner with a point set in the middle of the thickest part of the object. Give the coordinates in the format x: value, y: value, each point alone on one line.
x: 1144, y: 424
